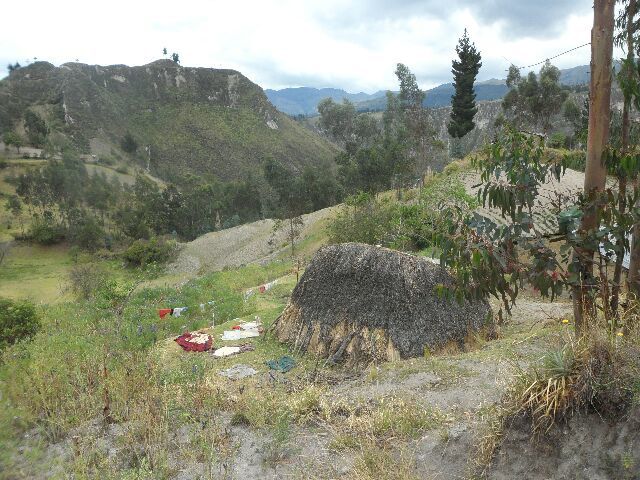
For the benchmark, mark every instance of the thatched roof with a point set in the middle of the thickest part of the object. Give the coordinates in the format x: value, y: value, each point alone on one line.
x: 367, y: 302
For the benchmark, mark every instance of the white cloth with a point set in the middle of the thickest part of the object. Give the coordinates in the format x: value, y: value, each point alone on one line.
x: 198, y: 337
x: 178, y: 311
x: 239, y: 334
x: 238, y: 371
x: 248, y: 294
x: 250, y: 325
x: 226, y: 351
x: 270, y: 285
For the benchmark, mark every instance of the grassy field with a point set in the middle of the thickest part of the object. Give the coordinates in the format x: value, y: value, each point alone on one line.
x: 35, y: 272
x: 113, y: 354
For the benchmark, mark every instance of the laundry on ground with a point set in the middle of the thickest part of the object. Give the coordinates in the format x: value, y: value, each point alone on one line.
x: 228, y: 350
x: 240, y: 334
x: 178, y: 311
x: 262, y: 289
x: 282, y: 364
x: 195, y: 341
x: 244, y: 330
x: 238, y: 371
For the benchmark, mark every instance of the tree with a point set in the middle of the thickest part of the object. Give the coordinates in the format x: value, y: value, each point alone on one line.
x: 534, y: 100
x: 175, y: 57
x: 164, y: 51
x: 36, y: 128
x: 420, y: 135
x: 12, y: 138
x: 14, y: 67
x: 595, y: 172
x: 14, y: 205
x: 463, y: 102
x: 128, y: 143
x: 336, y: 119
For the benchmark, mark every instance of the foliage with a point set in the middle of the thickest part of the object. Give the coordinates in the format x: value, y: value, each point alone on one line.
x: 558, y: 140
x: 406, y: 226
x: 534, y: 100
x: 18, y: 321
x: 144, y: 252
x: 36, y: 128
x: 13, y: 67
x: 129, y: 143
x: 482, y: 255
x: 463, y: 105
x: 597, y: 372
x: 46, y: 231
x: 86, y: 279
x: 12, y: 138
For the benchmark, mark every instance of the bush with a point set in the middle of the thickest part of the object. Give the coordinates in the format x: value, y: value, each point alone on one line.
x: 143, y: 252
x: 576, y: 160
x: 558, y: 140
x: 595, y: 373
x: 18, y: 321
x: 400, y: 225
x: 45, y: 232
x: 85, y: 280
x: 87, y: 233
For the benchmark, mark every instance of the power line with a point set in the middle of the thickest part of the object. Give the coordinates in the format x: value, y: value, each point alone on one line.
x: 555, y: 56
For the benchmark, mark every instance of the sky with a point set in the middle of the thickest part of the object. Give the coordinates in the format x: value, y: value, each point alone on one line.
x: 349, y: 44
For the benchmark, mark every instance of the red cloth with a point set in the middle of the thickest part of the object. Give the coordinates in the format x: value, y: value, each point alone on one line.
x: 163, y: 312
x: 262, y: 289
x: 184, y: 341
x: 236, y: 327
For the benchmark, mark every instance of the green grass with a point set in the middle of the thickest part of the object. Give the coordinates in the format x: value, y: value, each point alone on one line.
x: 35, y: 272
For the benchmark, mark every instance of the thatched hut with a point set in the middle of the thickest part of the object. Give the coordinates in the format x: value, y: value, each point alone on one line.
x: 359, y: 303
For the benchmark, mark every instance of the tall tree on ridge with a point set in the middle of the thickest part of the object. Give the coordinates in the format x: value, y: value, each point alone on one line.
x: 463, y: 102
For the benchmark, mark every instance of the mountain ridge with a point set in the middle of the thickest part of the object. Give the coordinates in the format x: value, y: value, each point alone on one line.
x: 304, y: 100
x: 195, y: 120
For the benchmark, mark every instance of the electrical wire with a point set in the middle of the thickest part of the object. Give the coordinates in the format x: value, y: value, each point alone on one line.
x: 551, y: 58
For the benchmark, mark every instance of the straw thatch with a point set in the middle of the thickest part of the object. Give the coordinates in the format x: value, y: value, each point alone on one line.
x: 359, y: 303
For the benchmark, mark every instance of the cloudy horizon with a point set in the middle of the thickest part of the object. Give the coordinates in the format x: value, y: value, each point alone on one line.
x: 353, y: 45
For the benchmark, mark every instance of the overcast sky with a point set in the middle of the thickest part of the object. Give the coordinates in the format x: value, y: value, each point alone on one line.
x: 353, y: 45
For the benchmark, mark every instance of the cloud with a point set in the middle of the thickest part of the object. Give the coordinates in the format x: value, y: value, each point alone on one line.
x: 323, y: 43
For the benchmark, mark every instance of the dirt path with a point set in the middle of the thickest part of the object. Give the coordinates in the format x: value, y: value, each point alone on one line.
x: 250, y: 243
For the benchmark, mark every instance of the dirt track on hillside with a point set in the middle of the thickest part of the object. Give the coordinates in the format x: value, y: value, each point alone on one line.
x: 250, y: 243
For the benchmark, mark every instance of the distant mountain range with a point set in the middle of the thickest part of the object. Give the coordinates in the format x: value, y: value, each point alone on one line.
x: 304, y: 100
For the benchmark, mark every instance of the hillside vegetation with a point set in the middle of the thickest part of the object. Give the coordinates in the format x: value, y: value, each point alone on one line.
x: 195, y: 120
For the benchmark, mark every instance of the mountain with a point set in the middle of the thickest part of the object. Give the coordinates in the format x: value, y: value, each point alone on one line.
x: 304, y: 100
x: 440, y: 96
x: 196, y: 120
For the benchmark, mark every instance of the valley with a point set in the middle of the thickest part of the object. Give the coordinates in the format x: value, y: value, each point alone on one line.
x: 220, y: 264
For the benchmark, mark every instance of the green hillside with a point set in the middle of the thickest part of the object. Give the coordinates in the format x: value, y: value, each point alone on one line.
x: 196, y: 120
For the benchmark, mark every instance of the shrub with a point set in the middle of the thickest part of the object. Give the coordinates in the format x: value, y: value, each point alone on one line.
x: 576, y: 160
x: 558, y: 140
x: 18, y: 321
x: 86, y: 279
x: 143, y: 252
x: 595, y: 373
x: 46, y: 232
x: 87, y: 233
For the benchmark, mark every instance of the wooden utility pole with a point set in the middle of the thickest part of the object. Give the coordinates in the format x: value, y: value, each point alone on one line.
x: 595, y: 173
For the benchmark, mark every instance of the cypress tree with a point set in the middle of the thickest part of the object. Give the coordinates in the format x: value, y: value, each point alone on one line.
x: 463, y: 102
